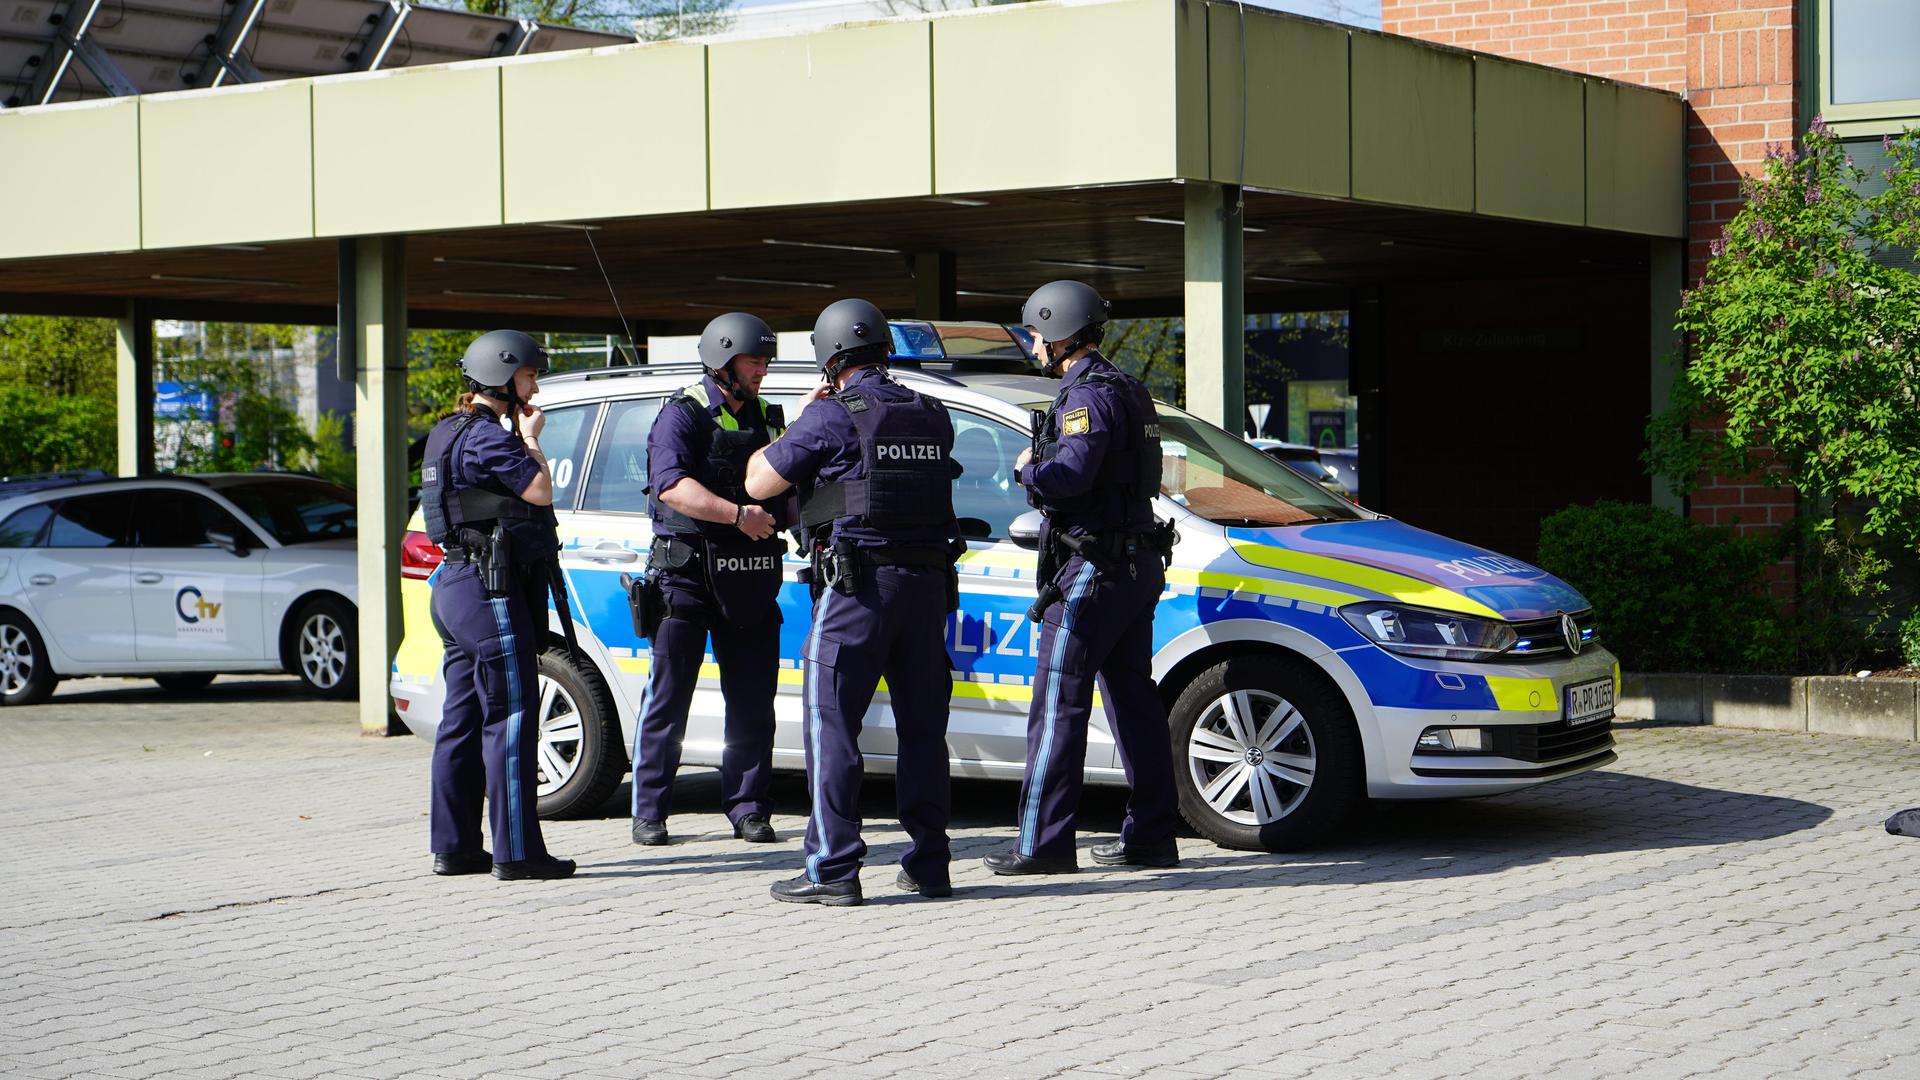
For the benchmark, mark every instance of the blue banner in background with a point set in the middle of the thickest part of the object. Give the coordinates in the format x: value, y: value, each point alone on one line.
x: 182, y: 401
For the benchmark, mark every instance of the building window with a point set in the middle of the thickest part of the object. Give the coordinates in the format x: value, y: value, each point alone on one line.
x: 1867, y: 73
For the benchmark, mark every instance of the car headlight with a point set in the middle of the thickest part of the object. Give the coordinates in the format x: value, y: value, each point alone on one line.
x: 1438, y: 635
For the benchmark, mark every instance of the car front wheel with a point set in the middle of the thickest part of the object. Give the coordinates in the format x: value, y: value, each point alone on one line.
x: 580, y: 759
x: 26, y: 676
x: 1266, y: 756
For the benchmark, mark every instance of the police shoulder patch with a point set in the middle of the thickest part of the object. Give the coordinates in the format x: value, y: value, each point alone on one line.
x: 1075, y: 423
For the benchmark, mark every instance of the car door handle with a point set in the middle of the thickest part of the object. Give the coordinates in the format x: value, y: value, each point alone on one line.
x: 40, y: 579
x: 149, y: 579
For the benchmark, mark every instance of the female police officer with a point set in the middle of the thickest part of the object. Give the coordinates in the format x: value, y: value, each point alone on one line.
x: 487, y: 495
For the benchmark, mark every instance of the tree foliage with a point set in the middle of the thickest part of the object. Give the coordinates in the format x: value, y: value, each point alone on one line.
x: 1805, y: 359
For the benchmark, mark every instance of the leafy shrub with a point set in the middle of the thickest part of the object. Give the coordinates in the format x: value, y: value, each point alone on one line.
x: 47, y: 433
x: 1805, y: 336
x: 1910, y: 639
x: 1670, y: 595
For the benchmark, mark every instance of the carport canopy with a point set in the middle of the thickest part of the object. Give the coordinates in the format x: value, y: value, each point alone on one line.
x: 1199, y: 159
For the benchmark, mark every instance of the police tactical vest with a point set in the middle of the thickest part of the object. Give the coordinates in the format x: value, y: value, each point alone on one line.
x: 1131, y: 468
x: 448, y: 508
x: 721, y: 467
x: 906, y: 475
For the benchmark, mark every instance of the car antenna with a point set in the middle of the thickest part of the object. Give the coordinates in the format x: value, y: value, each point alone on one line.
x: 631, y: 343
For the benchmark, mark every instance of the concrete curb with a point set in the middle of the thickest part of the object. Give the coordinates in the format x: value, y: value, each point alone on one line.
x: 1821, y: 704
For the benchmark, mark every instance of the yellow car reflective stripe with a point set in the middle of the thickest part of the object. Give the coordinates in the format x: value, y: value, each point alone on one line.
x: 795, y: 677
x: 1001, y: 558
x: 1406, y: 589
x: 1522, y: 695
x: 1237, y: 583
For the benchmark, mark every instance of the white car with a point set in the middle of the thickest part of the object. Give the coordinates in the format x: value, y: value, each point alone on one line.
x: 177, y: 578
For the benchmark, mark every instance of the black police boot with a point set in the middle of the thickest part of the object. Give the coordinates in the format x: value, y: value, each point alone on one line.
x: 753, y: 828
x: 905, y: 883
x: 455, y: 863
x: 1118, y: 853
x: 1012, y: 863
x: 544, y: 868
x: 803, y: 890
x: 649, y: 832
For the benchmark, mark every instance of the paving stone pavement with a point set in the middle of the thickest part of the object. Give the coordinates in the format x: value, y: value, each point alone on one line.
x: 234, y: 884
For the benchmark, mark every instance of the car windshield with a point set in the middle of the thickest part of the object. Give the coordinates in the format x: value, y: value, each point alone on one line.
x: 967, y: 342
x: 1227, y: 482
x: 296, y: 511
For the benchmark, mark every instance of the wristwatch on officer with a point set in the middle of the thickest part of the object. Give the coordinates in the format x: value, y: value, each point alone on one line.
x: 739, y: 514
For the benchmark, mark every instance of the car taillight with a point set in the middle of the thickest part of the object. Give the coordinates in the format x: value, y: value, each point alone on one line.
x: 419, y: 556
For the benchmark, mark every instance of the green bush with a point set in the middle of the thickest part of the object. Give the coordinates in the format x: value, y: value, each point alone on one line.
x: 1670, y: 595
x: 47, y: 433
x: 1910, y: 639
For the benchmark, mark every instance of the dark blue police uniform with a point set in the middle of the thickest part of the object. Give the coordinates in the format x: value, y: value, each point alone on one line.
x: 715, y: 582
x: 489, y: 727
x: 874, y: 465
x: 1096, y: 482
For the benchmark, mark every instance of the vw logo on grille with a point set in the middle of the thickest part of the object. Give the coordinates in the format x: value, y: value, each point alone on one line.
x: 1254, y: 755
x: 1570, y: 630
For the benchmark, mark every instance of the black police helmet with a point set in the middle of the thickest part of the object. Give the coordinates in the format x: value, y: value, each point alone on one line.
x: 495, y: 355
x: 850, y: 331
x: 735, y: 334
x: 1061, y: 310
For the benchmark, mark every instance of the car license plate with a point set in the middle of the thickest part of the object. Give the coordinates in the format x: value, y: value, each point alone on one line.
x: 1589, y: 701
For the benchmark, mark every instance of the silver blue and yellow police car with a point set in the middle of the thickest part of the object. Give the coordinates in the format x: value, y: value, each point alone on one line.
x: 1312, y: 654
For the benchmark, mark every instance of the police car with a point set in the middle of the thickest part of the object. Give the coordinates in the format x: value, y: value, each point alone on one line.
x: 1312, y: 654
x: 177, y: 578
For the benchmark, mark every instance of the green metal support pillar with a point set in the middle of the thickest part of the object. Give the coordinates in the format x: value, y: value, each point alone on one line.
x: 133, y: 388
x: 1216, y: 305
x: 373, y: 339
x: 1666, y: 276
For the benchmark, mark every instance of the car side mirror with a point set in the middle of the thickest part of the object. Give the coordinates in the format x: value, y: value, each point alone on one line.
x: 1025, y: 529
x: 973, y: 528
x: 228, y: 542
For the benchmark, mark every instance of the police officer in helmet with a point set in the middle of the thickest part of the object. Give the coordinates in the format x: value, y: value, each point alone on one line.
x: 1102, y: 569
x: 487, y: 494
x: 873, y: 461
x: 717, y: 559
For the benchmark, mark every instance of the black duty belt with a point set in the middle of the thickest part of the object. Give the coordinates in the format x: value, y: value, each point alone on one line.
x: 907, y: 556
x: 1116, y: 545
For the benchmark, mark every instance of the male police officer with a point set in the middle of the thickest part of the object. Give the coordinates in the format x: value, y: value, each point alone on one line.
x: 874, y: 463
x: 487, y: 494
x: 718, y: 561
x: 1095, y: 476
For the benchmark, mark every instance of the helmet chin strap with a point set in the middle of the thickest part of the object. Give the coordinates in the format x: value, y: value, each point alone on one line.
x: 1057, y: 358
x: 506, y: 396
x: 728, y: 381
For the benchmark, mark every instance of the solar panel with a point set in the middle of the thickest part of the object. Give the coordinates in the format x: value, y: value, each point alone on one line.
x: 150, y: 46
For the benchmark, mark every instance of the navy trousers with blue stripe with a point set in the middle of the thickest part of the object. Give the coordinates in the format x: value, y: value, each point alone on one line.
x: 749, y: 660
x: 489, y: 728
x: 1101, y: 628
x: 894, y: 626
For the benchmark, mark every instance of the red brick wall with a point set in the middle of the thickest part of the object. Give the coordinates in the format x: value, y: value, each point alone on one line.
x: 1735, y: 63
x: 1639, y: 41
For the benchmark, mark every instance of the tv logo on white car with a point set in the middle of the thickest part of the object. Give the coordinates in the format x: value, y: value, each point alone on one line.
x: 198, y: 610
